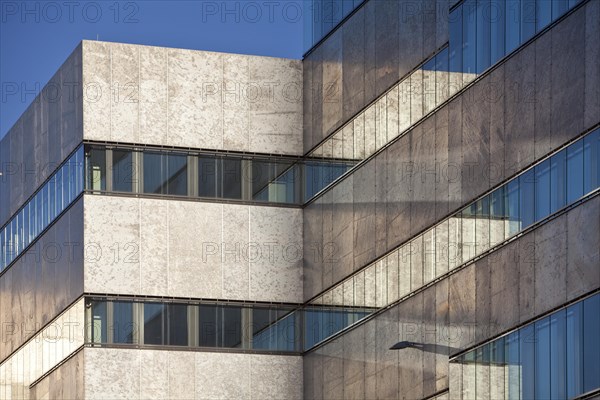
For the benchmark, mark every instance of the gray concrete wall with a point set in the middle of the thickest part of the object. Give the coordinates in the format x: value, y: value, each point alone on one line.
x: 43, y: 282
x: 494, y: 129
x: 191, y: 249
x: 174, y: 97
x: 377, y: 46
x: 498, y: 292
x: 42, y: 138
x: 155, y: 374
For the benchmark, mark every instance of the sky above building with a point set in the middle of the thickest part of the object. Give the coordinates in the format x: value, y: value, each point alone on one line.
x: 36, y: 37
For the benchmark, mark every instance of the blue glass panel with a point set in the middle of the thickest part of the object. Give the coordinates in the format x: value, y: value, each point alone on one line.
x: 527, y: 352
x: 498, y: 24
x: 573, y: 3
x: 574, y: 350
x: 527, y: 198
x: 591, y: 162
x: 153, y: 173
x: 484, y: 25
x: 54, y: 207
x: 469, y: 37
x: 558, y: 355
x: 558, y: 176
x: 122, y: 170
x: 154, y: 323
x: 575, y: 171
x: 99, y: 329
x: 591, y: 344
x: 456, y: 40
x: 542, y: 190
x: 513, y: 210
x: 513, y: 25
x: 543, y: 14
x: 57, y: 188
x: 528, y: 18
x: 542, y: 359
x: 559, y: 8
x: 123, y: 326
x: 513, y: 370
x: 176, y: 175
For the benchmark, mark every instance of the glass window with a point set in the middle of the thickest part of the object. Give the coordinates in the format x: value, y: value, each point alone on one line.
x: 57, y: 191
x: 498, y: 216
x: 55, y: 208
x: 122, y: 170
x: 528, y: 18
x: 543, y: 14
x: 527, y: 353
x: 429, y: 88
x: 99, y: 328
x: 208, y: 326
x: 558, y: 360
x: 484, y: 26
x: 95, y: 168
x: 559, y: 8
x: 573, y: 3
x: 232, y: 178
x: 542, y: 190
x: 542, y: 359
x: 154, y: 323
x: 153, y: 173
x: 177, y: 324
x: 513, y: 25
x: 442, y: 76
x: 575, y: 171
x: 498, y: 20
x: 558, y: 174
x: 176, y: 175
x: 513, y: 362
x: 207, y: 176
x: 527, y: 198
x: 67, y: 181
x: 574, y: 350
x: 123, y: 323
x: 591, y: 344
x: 455, y: 49
x: 513, y: 210
x: 232, y: 327
x: 469, y: 39
x: 591, y: 160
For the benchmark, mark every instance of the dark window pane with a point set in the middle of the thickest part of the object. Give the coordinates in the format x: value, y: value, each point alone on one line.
x: 528, y: 17
x: 153, y: 173
x: 513, y: 24
x: 95, y: 162
x: 498, y: 21
x: 122, y: 170
x: 232, y: 178
x: 99, y: 331
x: 573, y: 3
x: 542, y: 190
x: 558, y: 176
x: 207, y: 176
x: 483, y: 35
x: 559, y: 8
x: 456, y: 40
x: 513, y: 207
x: 542, y: 359
x: 178, y: 324
x: 527, y: 198
x: 591, y: 160
x: 232, y: 327
x: 469, y: 38
x: 527, y: 353
x: 574, y: 350
x: 208, y: 326
x: 543, y: 14
x: 558, y: 355
x: 154, y: 323
x: 123, y: 324
x: 574, y: 171
x: 176, y: 175
x: 591, y: 344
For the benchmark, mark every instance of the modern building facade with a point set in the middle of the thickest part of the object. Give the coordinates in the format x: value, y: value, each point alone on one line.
x: 409, y: 212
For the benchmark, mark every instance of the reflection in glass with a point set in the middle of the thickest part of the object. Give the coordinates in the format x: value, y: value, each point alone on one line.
x: 574, y: 350
x: 542, y: 359
x: 95, y: 168
x: 528, y: 19
x: 527, y: 354
x: 542, y: 190
x: 469, y: 39
x: 177, y: 319
x: 483, y: 35
x: 123, y: 326
x: 558, y: 188
x: 591, y: 160
x: 591, y: 344
x: 154, y: 323
x: 527, y: 198
x: 575, y: 171
x: 498, y: 21
x: 558, y: 356
x: 122, y: 170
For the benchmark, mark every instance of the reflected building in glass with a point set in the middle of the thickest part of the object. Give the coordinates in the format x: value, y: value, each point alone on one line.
x: 422, y: 223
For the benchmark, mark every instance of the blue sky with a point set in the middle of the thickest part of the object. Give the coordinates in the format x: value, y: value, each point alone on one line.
x: 36, y: 37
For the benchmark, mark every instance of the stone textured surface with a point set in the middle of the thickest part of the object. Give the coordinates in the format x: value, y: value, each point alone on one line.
x: 175, y: 97
x: 192, y: 249
x: 158, y: 374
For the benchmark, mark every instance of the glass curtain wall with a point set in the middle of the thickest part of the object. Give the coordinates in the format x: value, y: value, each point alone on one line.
x: 553, y: 184
x: 556, y: 357
x: 320, y: 17
x: 47, y: 204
